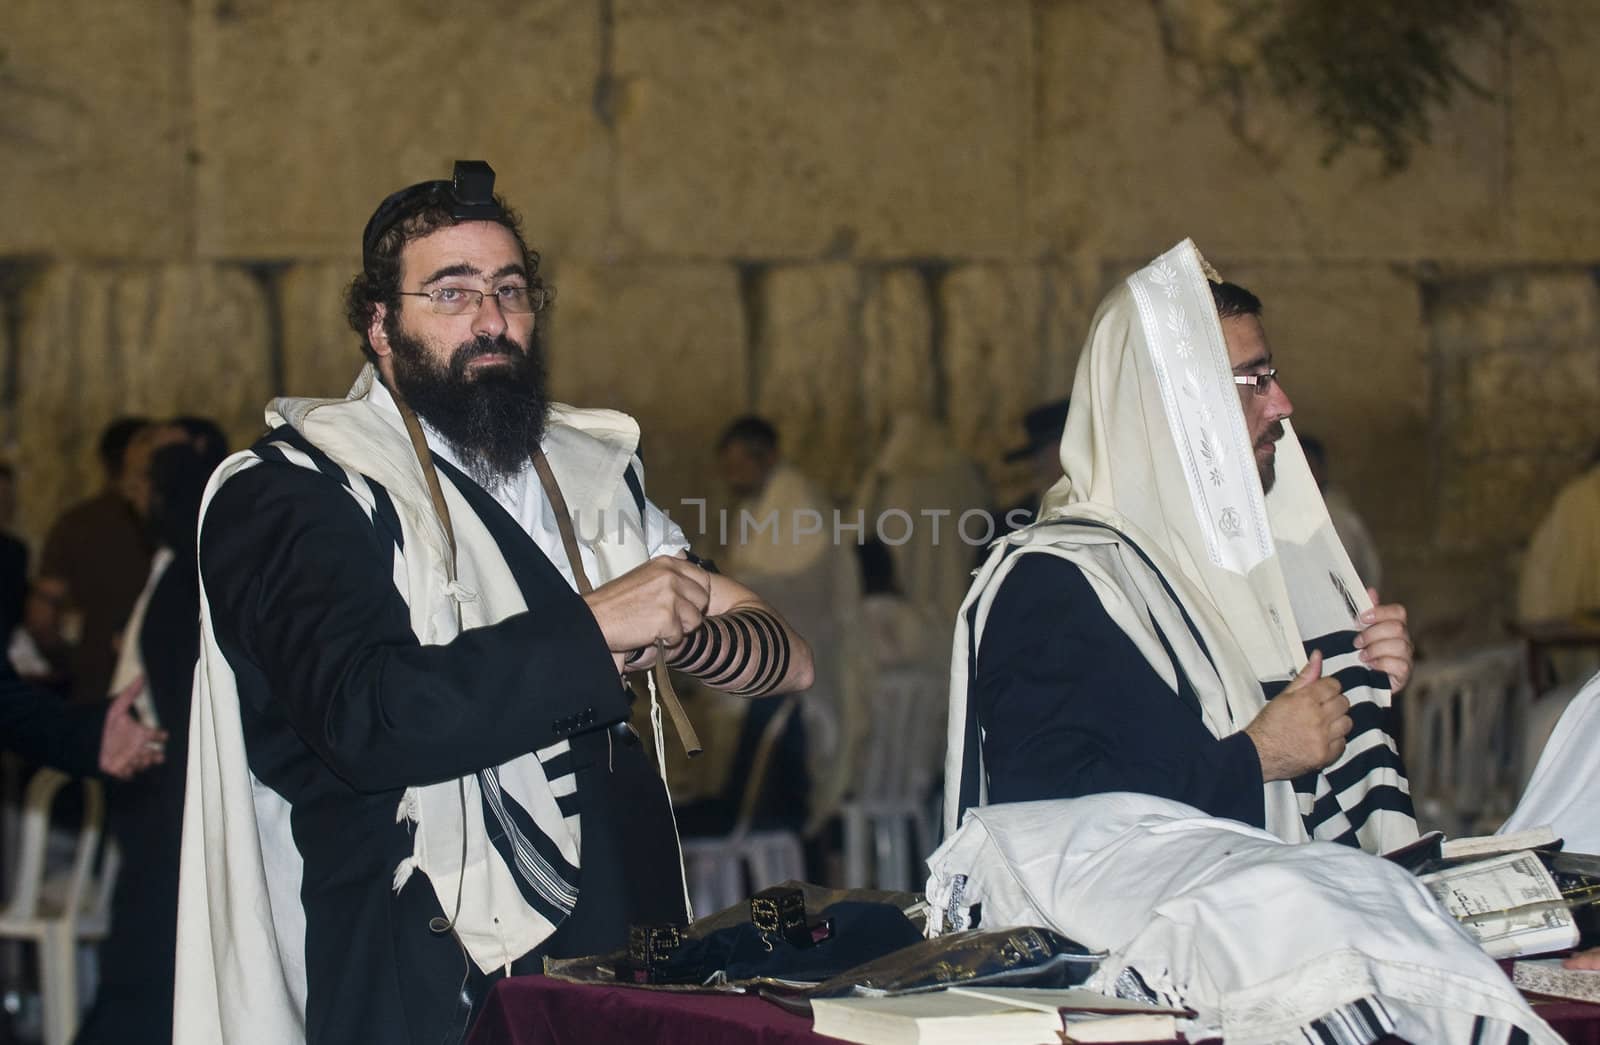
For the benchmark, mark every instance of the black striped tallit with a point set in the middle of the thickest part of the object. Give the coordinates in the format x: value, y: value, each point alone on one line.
x: 1335, y: 803
x: 547, y: 881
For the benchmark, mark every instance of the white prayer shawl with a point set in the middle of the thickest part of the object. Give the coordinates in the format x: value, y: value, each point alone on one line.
x: 241, y: 930
x: 130, y: 658
x: 1565, y: 789
x: 1267, y: 942
x: 1162, y: 508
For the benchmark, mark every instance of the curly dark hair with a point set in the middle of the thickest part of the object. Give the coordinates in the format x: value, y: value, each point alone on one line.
x: 379, y: 282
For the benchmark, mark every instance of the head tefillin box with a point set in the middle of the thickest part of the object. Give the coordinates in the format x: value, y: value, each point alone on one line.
x: 782, y: 912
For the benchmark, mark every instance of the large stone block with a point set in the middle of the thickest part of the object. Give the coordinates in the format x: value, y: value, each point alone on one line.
x: 94, y: 117
x: 1554, y: 130
x: 1470, y: 313
x: 829, y: 128
x: 1073, y: 290
x: 321, y: 354
x: 1520, y: 349
x: 1514, y: 309
x: 1544, y: 401
x: 1491, y: 503
x: 808, y: 380
x: 98, y: 342
x: 1454, y: 600
x: 897, y: 372
x: 1132, y: 155
x: 311, y: 113
x: 665, y: 344
x: 994, y: 359
x: 8, y: 399
x: 1518, y: 358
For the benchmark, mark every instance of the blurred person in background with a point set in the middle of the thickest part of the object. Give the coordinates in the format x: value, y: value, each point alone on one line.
x: 134, y: 1003
x: 782, y: 544
x: 95, y: 559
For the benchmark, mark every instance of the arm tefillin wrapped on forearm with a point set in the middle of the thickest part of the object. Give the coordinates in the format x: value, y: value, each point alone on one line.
x: 745, y: 652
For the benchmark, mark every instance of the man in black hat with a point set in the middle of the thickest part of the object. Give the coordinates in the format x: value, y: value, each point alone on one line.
x: 413, y: 770
x: 1042, y: 451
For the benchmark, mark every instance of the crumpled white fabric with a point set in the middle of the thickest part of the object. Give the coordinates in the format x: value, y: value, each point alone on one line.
x: 1258, y: 936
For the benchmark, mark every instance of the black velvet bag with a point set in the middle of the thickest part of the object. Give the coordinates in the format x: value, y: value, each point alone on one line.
x: 862, y: 931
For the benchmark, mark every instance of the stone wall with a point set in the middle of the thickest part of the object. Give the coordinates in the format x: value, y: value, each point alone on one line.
x: 828, y: 212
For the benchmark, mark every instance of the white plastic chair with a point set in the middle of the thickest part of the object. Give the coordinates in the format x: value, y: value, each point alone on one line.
x: 716, y: 867
x: 1463, y: 719
x: 52, y: 913
x: 891, y: 804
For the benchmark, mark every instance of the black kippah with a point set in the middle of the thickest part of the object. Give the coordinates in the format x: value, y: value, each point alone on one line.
x: 469, y: 196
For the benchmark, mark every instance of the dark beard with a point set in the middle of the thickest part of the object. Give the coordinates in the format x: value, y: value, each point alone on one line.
x: 493, y: 422
x: 1268, y: 470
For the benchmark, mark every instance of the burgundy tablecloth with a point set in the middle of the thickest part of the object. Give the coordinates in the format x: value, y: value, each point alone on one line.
x: 535, y: 1010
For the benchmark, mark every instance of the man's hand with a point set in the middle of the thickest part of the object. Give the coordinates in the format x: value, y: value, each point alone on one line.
x: 1385, y: 642
x: 1304, y: 727
x: 1589, y: 959
x: 127, y: 746
x: 663, y: 599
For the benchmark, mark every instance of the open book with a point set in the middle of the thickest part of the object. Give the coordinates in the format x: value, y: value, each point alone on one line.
x: 993, y: 1016
x: 1510, y: 903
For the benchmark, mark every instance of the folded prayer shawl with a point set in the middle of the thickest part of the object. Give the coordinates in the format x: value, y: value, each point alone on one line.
x: 1162, y: 508
x: 1266, y: 942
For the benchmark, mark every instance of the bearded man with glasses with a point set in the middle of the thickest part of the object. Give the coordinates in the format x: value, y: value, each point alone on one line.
x: 1181, y: 621
x: 413, y: 769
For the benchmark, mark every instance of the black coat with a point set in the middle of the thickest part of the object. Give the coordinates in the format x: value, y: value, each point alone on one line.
x: 343, y: 709
x: 1070, y: 707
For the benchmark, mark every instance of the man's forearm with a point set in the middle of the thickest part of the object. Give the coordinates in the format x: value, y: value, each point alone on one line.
x: 749, y: 651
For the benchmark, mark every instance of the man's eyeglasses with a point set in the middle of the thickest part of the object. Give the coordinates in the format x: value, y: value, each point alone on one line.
x: 1260, y: 383
x: 458, y: 301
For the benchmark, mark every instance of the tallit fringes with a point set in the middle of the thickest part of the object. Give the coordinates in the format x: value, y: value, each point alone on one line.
x: 402, y: 873
x: 410, y: 807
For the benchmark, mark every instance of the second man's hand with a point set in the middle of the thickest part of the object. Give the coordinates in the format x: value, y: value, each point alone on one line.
x: 1304, y: 727
x: 661, y: 600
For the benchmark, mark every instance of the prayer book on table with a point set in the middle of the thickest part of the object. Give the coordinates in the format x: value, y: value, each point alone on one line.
x: 1433, y: 846
x: 1493, y: 845
x: 1546, y: 976
x: 993, y: 1016
x: 1510, y: 903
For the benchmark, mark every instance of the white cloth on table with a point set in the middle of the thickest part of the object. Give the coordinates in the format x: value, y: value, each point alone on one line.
x: 1266, y: 941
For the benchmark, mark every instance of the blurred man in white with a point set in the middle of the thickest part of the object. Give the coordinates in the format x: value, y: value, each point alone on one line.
x: 782, y: 545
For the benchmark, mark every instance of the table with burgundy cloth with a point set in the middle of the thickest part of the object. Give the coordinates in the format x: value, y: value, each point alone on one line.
x: 537, y: 1010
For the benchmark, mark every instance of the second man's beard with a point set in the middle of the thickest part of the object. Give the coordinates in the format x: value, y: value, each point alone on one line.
x: 1268, y: 469
x: 494, y: 419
